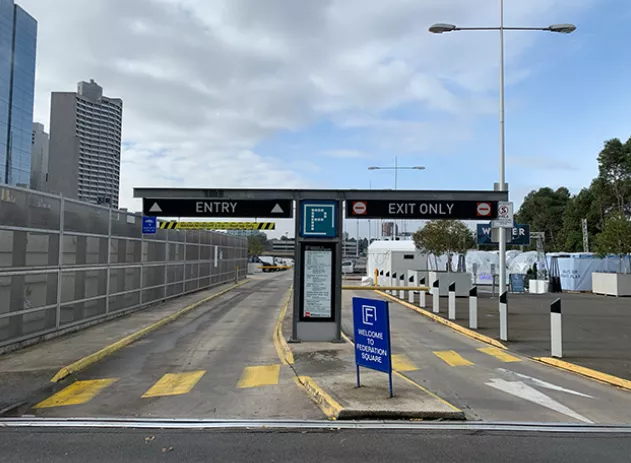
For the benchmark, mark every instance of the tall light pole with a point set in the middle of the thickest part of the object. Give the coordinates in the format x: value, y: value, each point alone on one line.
x: 440, y: 28
x: 396, y: 169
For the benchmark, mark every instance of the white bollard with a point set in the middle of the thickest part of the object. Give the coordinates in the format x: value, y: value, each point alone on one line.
x: 388, y: 282
x: 503, y: 317
x: 556, y: 330
x: 411, y: 293
x: 436, y: 297
x: 394, y: 282
x: 422, y: 302
x: 452, y: 301
x: 402, y: 283
x: 473, y: 308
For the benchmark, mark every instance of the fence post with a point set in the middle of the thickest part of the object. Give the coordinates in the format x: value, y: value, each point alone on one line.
x: 394, y: 281
x: 411, y: 293
x: 421, y: 301
x: 556, y: 329
x: 436, y: 297
x: 403, y: 284
x: 473, y: 308
x: 503, y: 317
x: 452, y: 301
x: 388, y: 282
x: 166, y: 263
x: 62, y: 208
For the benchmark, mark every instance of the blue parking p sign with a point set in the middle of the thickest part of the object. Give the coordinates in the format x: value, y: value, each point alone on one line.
x: 372, y: 334
x: 149, y: 225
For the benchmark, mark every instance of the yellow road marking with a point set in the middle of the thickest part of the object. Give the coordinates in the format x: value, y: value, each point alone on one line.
x: 499, y: 354
x: 175, y: 384
x: 401, y: 362
x: 262, y: 375
x: 77, y: 393
x: 452, y: 358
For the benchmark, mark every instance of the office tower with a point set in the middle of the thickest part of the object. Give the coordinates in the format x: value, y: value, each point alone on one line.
x: 85, y: 144
x: 18, y: 41
x: 389, y: 229
x: 39, y: 158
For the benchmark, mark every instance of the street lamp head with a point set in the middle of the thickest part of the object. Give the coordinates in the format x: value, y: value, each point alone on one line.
x: 562, y: 28
x: 373, y: 168
x: 439, y: 28
x: 419, y: 167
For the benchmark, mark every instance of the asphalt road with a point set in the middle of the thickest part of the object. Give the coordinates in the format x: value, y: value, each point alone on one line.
x: 490, y: 384
x: 218, y: 361
x: 306, y: 446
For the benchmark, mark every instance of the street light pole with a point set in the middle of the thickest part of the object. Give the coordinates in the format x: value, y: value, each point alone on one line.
x: 502, y: 231
x: 441, y: 28
x: 396, y: 169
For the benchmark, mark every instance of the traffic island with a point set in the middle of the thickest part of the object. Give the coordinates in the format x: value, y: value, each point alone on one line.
x: 326, y: 371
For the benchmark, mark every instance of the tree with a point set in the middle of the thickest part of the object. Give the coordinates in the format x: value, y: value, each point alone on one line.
x: 615, y: 238
x: 440, y: 237
x: 585, y: 205
x: 543, y: 210
x: 255, y: 245
x: 614, y: 171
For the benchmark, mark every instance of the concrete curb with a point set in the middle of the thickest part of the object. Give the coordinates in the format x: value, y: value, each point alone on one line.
x: 91, y: 359
x: 319, y: 396
x: 283, y: 350
x: 454, y: 326
x: 588, y: 372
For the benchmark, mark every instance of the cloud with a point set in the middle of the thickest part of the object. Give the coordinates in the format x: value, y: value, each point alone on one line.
x: 344, y: 153
x: 205, y: 82
x: 540, y: 163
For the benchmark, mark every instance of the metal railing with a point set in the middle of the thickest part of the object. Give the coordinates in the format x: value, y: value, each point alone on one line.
x: 65, y: 263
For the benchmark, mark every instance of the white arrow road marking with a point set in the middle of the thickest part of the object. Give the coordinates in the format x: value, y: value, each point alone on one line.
x: 523, y: 391
x: 541, y: 383
x: 277, y: 209
x: 155, y: 208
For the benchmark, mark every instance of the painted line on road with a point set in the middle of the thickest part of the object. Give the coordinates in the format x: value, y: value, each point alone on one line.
x: 285, y: 354
x: 452, y: 358
x: 402, y: 362
x: 77, y: 393
x: 454, y: 326
x: 174, y: 384
x: 329, y: 406
x: 588, y: 372
x: 95, y: 357
x: 260, y: 375
x: 499, y: 354
x: 414, y: 383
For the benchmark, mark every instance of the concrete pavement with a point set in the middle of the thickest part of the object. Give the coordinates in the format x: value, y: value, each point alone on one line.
x: 492, y: 384
x: 309, y: 445
x: 217, y: 361
x: 29, y: 371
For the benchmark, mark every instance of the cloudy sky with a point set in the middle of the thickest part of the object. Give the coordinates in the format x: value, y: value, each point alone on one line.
x: 297, y: 93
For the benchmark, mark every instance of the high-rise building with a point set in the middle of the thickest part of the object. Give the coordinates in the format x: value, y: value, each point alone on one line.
x: 85, y: 144
x: 39, y: 158
x: 389, y: 229
x: 18, y: 42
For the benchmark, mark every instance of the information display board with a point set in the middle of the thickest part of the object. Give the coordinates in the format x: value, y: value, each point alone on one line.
x: 318, y: 274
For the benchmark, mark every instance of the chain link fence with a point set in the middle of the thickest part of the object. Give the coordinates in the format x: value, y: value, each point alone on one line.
x: 65, y: 263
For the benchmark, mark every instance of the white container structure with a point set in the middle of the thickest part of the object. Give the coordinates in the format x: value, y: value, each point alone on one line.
x: 394, y: 257
x: 611, y: 284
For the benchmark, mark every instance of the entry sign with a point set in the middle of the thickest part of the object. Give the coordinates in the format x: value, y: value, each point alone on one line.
x: 149, y: 225
x: 218, y: 207
x: 372, y: 336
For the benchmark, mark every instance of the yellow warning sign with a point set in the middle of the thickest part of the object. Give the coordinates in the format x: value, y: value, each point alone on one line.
x: 217, y: 225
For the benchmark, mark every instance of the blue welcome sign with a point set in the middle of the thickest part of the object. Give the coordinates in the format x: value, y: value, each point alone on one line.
x: 371, y: 320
